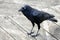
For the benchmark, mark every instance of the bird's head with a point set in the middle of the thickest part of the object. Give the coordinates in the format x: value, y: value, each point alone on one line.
x: 25, y: 7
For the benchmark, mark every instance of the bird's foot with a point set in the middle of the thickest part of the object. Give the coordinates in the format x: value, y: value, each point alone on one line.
x: 35, y: 35
x: 30, y: 33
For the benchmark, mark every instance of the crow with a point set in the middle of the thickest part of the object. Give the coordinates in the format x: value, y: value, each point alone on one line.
x: 36, y: 16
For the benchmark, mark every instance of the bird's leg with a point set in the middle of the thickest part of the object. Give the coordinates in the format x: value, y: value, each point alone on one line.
x: 31, y: 29
x: 37, y: 31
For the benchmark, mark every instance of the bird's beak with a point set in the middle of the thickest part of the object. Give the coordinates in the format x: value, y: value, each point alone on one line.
x: 19, y: 10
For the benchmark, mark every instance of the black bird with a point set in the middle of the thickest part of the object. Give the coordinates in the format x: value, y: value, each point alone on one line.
x: 36, y: 16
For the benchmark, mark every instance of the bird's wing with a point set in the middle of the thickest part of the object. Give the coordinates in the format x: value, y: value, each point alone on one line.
x: 48, y: 16
x: 35, y: 13
x: 42, y: 15
x: 37, y: 16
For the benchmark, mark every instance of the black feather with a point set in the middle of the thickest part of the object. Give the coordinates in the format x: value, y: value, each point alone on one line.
x: 53, y: 19
x: 36, y: 16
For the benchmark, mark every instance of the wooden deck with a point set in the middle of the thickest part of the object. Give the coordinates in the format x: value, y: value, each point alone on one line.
x: 14, y: 26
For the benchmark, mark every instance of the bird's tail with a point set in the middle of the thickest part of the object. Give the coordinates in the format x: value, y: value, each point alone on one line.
x: 53, y: 19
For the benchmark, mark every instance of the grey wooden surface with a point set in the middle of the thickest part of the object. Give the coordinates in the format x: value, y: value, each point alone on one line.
x: 14, y: 25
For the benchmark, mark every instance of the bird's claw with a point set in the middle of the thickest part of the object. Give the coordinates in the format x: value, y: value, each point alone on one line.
x: 35, y: 35
x: 30, y: 33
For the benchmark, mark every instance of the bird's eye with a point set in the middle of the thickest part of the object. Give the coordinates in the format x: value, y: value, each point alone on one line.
x: 24, y: 7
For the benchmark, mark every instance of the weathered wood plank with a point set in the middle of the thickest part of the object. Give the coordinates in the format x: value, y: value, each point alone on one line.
x: 15, y: 26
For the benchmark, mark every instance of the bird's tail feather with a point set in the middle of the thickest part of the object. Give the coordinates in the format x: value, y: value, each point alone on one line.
x: 53, y: 19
